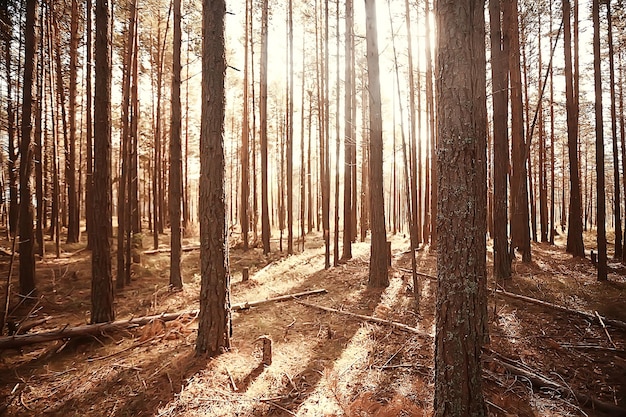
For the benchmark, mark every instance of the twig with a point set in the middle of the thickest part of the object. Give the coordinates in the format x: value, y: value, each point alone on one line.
x: 273, y: 404
x: 605, y: 329
x: 497, y: 407
x: 232, y: 380
x: 371, y: 319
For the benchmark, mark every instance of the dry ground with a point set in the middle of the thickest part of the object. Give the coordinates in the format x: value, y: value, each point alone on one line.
x: 324, y: 364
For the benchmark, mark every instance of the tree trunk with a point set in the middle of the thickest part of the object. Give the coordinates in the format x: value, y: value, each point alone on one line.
x: 11, y: 131
x: 520, y: 228
x: 622, y: 124
x: 290, y: 137
x: 73, y: 224
x: 349, y: 139
x: 89, y: 126
x: 431, y: 194
x: 245, y: 125
x: 461, y: 315
x: 176, y: 159
x: 265, y: 219
x: 378, y: 255
x: 575, y: 244
x: 39, y: 160
x: 552, y: 144
x: 618, y: 198
x: 600, y: 182
x: 214, y: 324
x: 499, y: 84
x: 101, y: 280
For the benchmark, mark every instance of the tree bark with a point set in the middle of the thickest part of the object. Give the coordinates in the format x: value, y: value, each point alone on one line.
x: 499, y: 84
x: 378, y: 274
x: 176, y: 158
x: 600, y: 181
x: 265, y: 220
x: 214, y: 327
x: 575, y: 244
x: 101, y: 280
x: 461, y: 315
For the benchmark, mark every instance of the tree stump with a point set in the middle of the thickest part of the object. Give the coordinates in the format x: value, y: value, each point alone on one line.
x: 267, y: 350
x: 389, y: 253
x: 245, y: 274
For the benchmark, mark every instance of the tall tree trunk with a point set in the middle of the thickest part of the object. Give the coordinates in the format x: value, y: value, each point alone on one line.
x: 101, y: 281
x: 499, y: 84
x: 433, y: 134
x: 176, y: 157
x: 552, y: 145
x: 543, y: 186
x: 265, y: 220
x: 349, y: 140
x: 378, y: 255
x: 290, y: 137
x: 337, y: 147
x: 39, y: 160
x: 11, y: 131
x: 89, y: 125
x: 214, y: 322
x: 622, y: 125
x: 245, y: 125
x: 600, y: 182
x: 26, y: 245
x: 461, y: 316
x: 520, y: 228
x: 73, y: 209
x: 575, y: 244
x: 618, y: 197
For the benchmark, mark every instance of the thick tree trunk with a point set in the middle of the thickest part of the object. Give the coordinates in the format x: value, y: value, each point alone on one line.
x: 101, y: 280
x: 214, y: 326
x: 89, y: 125
x: 378, y: 255
x: 461, y: 315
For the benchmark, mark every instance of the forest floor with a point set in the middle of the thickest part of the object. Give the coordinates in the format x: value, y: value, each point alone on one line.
x: 324, y: 363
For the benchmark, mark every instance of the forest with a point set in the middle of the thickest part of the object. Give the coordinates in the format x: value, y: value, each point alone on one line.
x: 312, y: 208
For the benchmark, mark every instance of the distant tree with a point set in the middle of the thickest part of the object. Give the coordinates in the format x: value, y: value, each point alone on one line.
x: 600, y: 182
x: 176, y: 157
x: 214, y: 325
x: 520, y: 222
x: 618, y: 198
x: 101, y: 280
x: 499, y: 84
x: 27, y: 238
x: 575, y: 244
x: 378, y: 254
x: 265, y: 219
x: 461, y: 220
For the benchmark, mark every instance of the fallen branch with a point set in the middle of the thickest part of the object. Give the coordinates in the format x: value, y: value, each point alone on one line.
x: 371, y: 319
x: 605, y: 329
x: 540, y: 381
x: 614, y: 323
x: 421, y: 274
x: 99, y: 328
x: 168, y: 250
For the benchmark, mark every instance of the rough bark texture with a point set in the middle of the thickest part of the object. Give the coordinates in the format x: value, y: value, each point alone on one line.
x: 349, y: 141
x: 101, y: 279
x: 461, y: 219
x: 176, y: 157
x: 27, y: 238
x: 575, y: 244
x: 600, y: 183
x: 378, y: 256
x: 499, y: 76
x: 245, y: 158
x: 214, y: 326
x: 73, y: 223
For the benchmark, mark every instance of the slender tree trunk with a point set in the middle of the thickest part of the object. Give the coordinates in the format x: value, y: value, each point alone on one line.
x: 349, y: 140
x: 543, y: 186
x: 101, y: 281
x: 622, y: 125
x: 73, y: 224
x: 378, y: 256
x: 176, y: 158
x: 245, y: 125
x: 290, y: 137
x: 89, y: 125
x: 461, y: 315
x: 432, y: 195
x: 11, y: 131
x: 337, y: 147
x: 520, y: 228
x: 39, y: 161
x: 552, y: 145
x: 575, y: 244
x: 618, y: 197
x: 499, y: 84
x: 265, y: 220
x: 600, y: 182
x: 214, y: 321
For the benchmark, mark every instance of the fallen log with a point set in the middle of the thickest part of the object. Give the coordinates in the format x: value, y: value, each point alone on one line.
x: 615, y: 323
x: 371, y: 319
x: 541, y: 381
x: 98, y: 328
